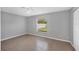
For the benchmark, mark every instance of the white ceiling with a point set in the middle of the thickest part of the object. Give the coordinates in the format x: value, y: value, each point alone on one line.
x: 30, y: 11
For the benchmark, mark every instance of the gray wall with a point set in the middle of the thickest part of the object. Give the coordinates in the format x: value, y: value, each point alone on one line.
x: 0, y: 24
x: 0, y: 28
x: 58, y: 25
x: 71, y: 26
x: 71, y: 21
x: 76, y: 29
x: 12, y: 25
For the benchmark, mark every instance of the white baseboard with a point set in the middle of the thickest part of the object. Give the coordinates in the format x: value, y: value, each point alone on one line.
x: 12, y: 37
x: 55, y: 39
x: 51, y: 38
x: 73, y: 46
x: 40, y: 36
x: 35, y: 35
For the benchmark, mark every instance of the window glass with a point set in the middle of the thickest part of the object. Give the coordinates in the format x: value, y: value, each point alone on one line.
x: 42, y: 24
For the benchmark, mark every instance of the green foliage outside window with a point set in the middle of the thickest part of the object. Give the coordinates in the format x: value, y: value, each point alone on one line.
x: 42, y: 22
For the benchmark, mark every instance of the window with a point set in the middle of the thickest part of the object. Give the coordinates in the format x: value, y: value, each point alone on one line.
x: 42, y: 24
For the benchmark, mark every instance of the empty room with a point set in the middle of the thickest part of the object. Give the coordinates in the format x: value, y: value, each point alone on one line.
x: 39, y: 28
